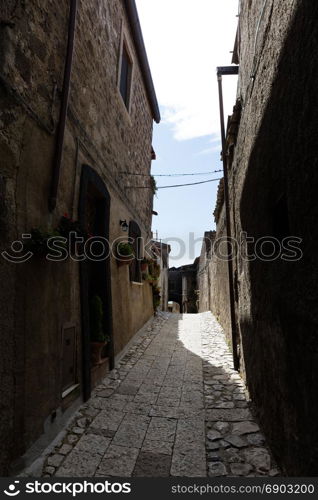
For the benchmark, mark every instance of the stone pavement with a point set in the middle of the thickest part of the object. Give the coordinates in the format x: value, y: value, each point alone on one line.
x: 173, y: 407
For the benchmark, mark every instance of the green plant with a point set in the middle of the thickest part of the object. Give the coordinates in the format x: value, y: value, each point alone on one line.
x: 68, y: 225
x: 153, y: 280
x: 96, y: 317
x: 156, y: 302
x: 38, y: 243
x: 154, y: 270
x: 125, y: 249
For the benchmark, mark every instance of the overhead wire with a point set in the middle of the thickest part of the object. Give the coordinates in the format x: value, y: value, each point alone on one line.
x: 173, y: 175
x: 175, y: 185
x: 191, y: 184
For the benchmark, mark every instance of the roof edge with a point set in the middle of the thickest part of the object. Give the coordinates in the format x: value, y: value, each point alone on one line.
x: 133, y: 17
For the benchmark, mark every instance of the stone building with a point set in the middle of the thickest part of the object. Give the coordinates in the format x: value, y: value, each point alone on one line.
x: 183, y: 287
x: 272, y: 164
x: 204, y: 272
x: 77, y: 112
x: 162, y: 251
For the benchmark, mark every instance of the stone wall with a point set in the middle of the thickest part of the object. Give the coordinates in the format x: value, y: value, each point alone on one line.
x: 204, y: 272
x: 183, y: 287
x: 213, y: 275
x: 273, y: 183
x: 162, y: 251
x: 40, y: 297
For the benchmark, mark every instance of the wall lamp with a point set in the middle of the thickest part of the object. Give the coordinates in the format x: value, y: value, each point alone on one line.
x: 124, y: 226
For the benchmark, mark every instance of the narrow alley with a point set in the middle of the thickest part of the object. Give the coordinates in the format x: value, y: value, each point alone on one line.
x: 173, y: 407
x: 158, y: 241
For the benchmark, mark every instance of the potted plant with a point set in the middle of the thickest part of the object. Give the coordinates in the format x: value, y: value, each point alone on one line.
x: 152, y: 280
x: 98, y: 337
x: 154, y: 269
x: 38, y: 243
x: 68, y: 225
x: 124, y: 253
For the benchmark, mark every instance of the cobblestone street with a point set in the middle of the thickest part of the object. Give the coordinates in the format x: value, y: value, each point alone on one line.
x: 173, y: 407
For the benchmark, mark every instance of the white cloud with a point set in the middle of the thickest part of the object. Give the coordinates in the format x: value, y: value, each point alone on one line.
x: 185, y: 41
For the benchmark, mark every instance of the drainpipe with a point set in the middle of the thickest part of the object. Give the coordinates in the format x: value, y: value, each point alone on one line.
x: 228, y: 70
x: 58, y: 152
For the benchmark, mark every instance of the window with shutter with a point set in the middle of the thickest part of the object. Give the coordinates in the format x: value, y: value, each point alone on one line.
x: 125, y: 76
x: 135, y: 239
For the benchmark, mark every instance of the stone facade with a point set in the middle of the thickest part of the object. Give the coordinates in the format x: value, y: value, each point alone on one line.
x: 204, y: 268
x: 162, y: 250
x: 183, y: 287
x: 273, y: 184
x: 41, y: 299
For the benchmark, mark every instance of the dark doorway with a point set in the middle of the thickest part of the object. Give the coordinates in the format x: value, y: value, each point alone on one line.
x: 94, y: 213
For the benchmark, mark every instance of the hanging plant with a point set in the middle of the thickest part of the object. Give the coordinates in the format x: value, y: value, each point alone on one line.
x: 124, y: 253
x: 154, y: 269
x: 38, y: 243
x: 151, y: 280
x: 67, y: 226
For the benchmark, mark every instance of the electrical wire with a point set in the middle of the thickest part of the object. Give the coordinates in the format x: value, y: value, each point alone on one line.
x: 173, y: 175
x: 191, y: 184
x: 175, y: 185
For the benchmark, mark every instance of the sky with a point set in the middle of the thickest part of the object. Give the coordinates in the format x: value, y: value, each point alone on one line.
x: 185, y: 41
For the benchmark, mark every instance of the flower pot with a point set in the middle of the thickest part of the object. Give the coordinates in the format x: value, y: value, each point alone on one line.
x: 97, y: 349
x: 144, y: 267
x: 153, y: 281
x: 124, y: 260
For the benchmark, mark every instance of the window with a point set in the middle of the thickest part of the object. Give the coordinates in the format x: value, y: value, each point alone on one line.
x: 125, y: 75
x: 135, y: 240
